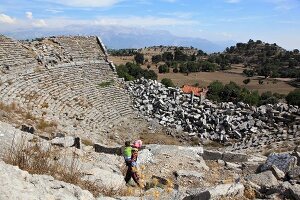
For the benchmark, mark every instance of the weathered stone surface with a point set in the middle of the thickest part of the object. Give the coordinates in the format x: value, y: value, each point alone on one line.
x: 17, y: 184
x: 294, y: 174
x: 234, y: 157
x: 67, y: 141
x: 11, y: 136
x: 186, y: 173
x: 219, y: 191
x: 104, y: 178
x: 277, y: 172
x: 264, y: 179
x: 283, y: 161
x: 212, y: 155
x: 295, y: 191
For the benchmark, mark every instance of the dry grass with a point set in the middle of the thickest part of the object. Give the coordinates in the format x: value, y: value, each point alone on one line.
x: 205, y: 78
x: 43, y: 125
x: 87, y: 142
x: 45, y: 105
x: 249, y: 193
x: 35, y: 159
x: 158, y: 138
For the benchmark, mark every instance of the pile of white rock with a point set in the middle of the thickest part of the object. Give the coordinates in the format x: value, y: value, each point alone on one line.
x: 221, y: 122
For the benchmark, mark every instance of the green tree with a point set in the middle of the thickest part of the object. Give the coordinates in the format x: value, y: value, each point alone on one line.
x: 139, y: 58
x: 180, y: 56
x: 163, y: 69
x: 156, y: 59
x: 293, y: 97
x: 231, y: 92
x: 167, y: 56
x: 167, y: 82
x: 214, y: 91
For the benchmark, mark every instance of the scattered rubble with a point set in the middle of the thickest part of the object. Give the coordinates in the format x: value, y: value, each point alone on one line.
x: 247, y: 125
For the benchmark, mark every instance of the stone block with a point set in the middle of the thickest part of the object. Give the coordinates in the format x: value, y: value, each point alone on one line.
x: 212, y: 155
x: 109, y: 150
x: 234, y: 157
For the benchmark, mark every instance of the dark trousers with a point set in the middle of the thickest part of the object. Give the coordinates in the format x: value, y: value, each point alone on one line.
x: 131, y: 174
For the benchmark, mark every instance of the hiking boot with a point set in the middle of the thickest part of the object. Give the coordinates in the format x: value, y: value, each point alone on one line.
x: 131, y: 184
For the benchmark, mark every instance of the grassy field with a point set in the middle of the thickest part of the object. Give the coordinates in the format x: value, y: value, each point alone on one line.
x: 205, y: 78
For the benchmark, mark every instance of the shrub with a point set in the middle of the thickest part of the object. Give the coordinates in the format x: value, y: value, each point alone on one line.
x: 293, y: 97
x: 175, y: 70
x: 167, y: 82
x: 106, y: 83
x: 246, y: 81
x: 132, y: 71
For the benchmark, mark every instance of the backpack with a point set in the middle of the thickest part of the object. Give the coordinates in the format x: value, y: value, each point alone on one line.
x: 127, y: 154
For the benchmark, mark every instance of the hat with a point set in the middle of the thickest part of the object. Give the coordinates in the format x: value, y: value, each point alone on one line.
x: 137, y: 144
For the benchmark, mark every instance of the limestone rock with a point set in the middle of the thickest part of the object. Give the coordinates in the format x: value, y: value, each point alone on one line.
x: 17, y: 184
x: 264, y: 179
x: 277, y: 172
x: 186, y: 173
x: 104, y: 178
x: 282, y: 161
x: 219, y: 191
x: 294, y: 173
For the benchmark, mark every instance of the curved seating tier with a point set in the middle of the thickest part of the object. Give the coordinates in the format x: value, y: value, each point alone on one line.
x: 13, y: 54
x: 82, y: 94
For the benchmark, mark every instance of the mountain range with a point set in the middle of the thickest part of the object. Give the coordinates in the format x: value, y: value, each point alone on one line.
x: 118, y: 37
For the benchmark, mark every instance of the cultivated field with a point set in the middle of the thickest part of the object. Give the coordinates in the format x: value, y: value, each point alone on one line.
x: 205, y: 78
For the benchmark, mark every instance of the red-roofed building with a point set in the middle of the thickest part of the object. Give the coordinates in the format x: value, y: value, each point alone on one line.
x: 200, y: 92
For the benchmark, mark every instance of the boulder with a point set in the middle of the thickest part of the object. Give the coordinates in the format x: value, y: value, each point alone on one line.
x: 264, y: 179
x: 283, y: 161
x: 220, y: 191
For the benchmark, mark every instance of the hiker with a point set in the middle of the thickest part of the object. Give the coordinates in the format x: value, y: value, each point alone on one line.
x: 132, y: 163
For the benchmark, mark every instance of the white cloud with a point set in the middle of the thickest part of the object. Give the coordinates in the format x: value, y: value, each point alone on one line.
x: 5, y: 19
x: 39, y: 23
x: 232, y: 1
x: 29, y: 15
x: 54, y: 11
x: 285, y: 5
x: 143, y: 21
x: 170, y: 1
x: 86, y: 3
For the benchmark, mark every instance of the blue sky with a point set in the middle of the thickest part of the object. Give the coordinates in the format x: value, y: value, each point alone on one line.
x: 273, y: 21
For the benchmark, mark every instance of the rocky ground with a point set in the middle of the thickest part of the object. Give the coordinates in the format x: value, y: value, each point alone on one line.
x: 193, y: 149
x: 168, y: 171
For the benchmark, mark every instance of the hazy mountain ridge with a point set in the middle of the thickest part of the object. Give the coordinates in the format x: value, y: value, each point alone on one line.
x: 124, y: 37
